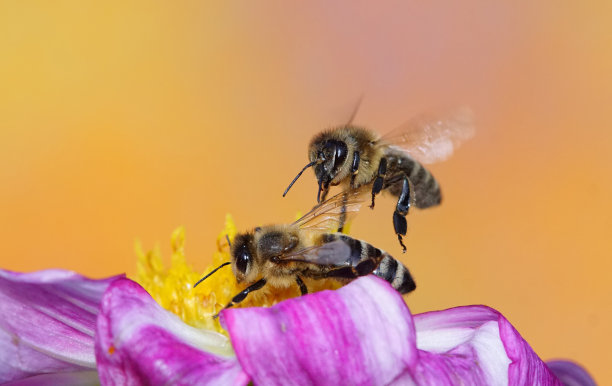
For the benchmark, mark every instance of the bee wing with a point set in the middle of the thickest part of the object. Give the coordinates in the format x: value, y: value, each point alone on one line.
x: 333, y: 253
x: 326, y: 215
x: 432, y: 137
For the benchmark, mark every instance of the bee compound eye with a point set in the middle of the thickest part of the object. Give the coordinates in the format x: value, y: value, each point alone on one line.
x: 341, y: 153
x: 243, y: 258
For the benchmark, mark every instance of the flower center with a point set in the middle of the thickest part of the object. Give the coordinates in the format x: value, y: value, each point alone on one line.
x: 172, y: 287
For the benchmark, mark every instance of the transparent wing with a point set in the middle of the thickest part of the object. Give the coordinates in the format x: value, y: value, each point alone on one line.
x: 336, y: 253
x: 432, y: 137
x: 326, y: 215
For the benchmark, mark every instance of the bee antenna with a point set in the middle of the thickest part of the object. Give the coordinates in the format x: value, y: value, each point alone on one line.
x: 357, y: 106
x: 298, y: 176
x: 213, y: 271
x: 228, y: 241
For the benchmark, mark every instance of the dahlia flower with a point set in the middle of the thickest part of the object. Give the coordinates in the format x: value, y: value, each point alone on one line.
x: 57, y: 327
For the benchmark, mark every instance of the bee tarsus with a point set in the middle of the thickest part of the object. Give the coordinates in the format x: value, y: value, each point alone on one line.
x: 300, y: 283
x: 401, y: 211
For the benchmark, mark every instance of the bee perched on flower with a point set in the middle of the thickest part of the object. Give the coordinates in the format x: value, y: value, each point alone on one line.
x: 282, y: 255
x: 159, y: 330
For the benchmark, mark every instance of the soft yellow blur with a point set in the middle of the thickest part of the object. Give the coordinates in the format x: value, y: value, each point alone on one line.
x: 124, y: 120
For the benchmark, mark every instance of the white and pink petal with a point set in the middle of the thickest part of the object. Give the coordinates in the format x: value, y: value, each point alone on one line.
x: 355, y: 335
x: 47, y: 322
x: 364, y: 333
x: 138, y: 342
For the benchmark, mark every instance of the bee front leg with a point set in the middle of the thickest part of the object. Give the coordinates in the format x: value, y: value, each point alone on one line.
x: 342, y: 219
x: 401, y: 210
x: 355, y: 168
x: 243, y: 294
x: 301, y: 284
x: 380, y: 179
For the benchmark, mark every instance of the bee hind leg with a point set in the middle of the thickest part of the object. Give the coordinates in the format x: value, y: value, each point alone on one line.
x: 243, y: 294
x: 380, y: 179
x: 300, y: 283
x: 401, y: 210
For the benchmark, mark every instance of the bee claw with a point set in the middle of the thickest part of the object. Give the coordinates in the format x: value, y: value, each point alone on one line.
x: 399, y: 237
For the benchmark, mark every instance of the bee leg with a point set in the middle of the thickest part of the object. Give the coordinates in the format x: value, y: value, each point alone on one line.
x: 380, y: 179
x: 301, y: 284
x: 401, y: 210
x: 243, y: 294
x: 355, y: 168
x: 342, y: 219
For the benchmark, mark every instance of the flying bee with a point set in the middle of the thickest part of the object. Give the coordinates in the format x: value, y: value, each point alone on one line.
x: 282, y: 255
x: 353, y: 156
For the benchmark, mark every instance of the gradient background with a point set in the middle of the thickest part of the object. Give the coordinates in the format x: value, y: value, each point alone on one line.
x: 124, y: 120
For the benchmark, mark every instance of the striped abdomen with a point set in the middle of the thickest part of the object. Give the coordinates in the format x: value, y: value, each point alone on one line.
x: 395, y: 273
x: 362, y: 258
x: 426, y: 188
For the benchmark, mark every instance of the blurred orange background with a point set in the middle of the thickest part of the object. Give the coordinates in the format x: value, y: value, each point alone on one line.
x: 124, y: 120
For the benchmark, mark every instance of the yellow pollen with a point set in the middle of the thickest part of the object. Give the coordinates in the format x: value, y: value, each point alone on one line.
x: 172, y: 287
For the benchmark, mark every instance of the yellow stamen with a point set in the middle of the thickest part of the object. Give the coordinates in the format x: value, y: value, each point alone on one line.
x: 173, y: 288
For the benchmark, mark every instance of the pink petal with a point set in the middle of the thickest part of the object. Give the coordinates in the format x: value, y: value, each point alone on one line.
x: 359, y: 334
x: 363, y: 333
x: 47, y: 322
x: 483, y: 337
x: 138, y: 342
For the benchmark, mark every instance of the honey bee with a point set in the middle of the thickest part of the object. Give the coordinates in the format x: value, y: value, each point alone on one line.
x: 353, y: 156
x: 282, y: 255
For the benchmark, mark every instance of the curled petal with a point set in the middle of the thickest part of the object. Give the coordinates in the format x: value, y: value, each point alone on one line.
x: 482, y: 339
x: 138, y: 342
x: 47, y: 322
x: 363, y: 333
x: 570, y: 373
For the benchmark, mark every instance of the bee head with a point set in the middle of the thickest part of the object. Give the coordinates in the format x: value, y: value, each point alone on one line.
x: 329, y: 156
x: 242, y: 256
